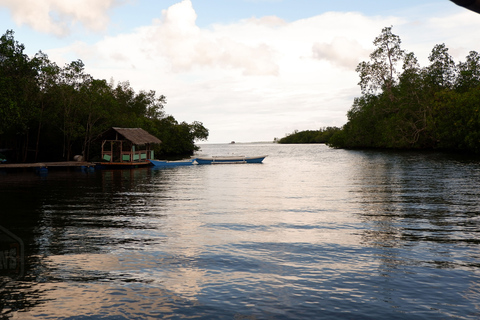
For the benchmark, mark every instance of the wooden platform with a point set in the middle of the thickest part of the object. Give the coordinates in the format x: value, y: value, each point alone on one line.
x: 47, y: 164
x: 122, y: 165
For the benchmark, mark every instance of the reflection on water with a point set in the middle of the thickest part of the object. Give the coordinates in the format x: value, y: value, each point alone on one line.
x: 310, y: 232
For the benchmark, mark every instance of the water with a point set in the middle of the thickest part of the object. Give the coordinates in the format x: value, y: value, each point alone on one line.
x: 311, y: 233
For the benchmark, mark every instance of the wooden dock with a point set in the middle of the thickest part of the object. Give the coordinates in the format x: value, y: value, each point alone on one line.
x: 60, y: 164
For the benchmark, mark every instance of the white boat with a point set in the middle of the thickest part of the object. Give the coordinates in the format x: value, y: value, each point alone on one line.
x: 165, y: 163
x: 229, y: 159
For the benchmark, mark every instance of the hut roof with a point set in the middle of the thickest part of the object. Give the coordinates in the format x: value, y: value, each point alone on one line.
x: 137, y: 136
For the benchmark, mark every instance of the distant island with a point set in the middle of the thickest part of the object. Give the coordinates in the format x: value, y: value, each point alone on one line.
x: 405, y: 106
x: 52, y: 113
x: 309, y: 136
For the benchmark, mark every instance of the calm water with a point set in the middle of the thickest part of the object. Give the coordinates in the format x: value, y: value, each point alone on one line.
x: 311, y: 233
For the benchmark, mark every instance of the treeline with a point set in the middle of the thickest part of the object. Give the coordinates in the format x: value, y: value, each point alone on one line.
x: 50, y: 113
x: 310, y: 136
x: 405, y: 106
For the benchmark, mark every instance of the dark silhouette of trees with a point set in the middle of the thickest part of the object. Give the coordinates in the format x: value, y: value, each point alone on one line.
x: 435, y: 107
x: 51, y: 113
x: 310, y: 136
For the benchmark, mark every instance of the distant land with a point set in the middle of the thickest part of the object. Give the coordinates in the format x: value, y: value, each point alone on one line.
x: 406, y: 106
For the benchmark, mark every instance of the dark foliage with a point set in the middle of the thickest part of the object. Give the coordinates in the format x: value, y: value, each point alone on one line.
x: 404, y: 106
x: 49, y: 113
x: 310, y: 136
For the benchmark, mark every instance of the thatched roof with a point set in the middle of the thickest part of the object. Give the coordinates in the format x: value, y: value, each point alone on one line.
x: 137, y: 136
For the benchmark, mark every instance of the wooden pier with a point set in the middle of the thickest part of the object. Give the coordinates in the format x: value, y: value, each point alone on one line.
x: 65, y: 164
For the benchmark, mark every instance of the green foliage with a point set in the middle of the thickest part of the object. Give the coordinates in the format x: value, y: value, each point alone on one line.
x: 177, y: 138
x: 435, y: 107
x: 53, y: 113
x: 380, y: 73
x: 310, y: 136
x: 458, y: 120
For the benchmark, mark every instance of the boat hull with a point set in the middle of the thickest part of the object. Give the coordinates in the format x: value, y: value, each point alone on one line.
x: 164, y: 163
x: 229, y: 159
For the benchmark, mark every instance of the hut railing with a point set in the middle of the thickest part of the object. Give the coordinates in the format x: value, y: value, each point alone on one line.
x: 107, y: 155
x: 136, y: 155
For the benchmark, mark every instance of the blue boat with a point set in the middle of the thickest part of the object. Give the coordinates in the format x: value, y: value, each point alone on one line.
x: 165, y: 163
x: 229, y: 159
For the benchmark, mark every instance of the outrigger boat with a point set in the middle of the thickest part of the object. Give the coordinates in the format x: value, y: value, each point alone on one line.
x: 165, y: 163
x: 229, y: 159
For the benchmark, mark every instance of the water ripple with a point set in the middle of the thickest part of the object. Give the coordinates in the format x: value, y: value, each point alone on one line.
x: 311, y: 233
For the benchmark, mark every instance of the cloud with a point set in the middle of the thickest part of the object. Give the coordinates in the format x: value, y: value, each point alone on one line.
x: 343, y: 52
x: 59, y: 17
x: 177, y: 38
x: 258, y: 78
x: 457, y: 31
x: 270, y: 21
x: 256, y: 73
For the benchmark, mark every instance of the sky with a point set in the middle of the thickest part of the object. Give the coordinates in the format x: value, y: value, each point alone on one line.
x: 249, y: 70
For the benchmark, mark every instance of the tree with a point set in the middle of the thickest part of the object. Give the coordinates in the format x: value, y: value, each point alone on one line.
x: 442, y: 71
x: 412, y: 127
x: 59, y: 112
x: 18, y: 89
x: 309, y: 136
x: 178, y: 138
x: 469, y: 73
x: 198, y: 132
x: 47, y: 77
x: 435, y: 107
x: 97, y: 104
x: 71, y: 80
x: 380, y: 74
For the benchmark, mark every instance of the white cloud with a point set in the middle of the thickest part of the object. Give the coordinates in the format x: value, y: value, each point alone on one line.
x: 457, y: 31
x: 258, y: 78
x: 346, y: 53
x: 177, y: 38
x: 269, y: 21
x: 258, y: 74
x: 59, y: 17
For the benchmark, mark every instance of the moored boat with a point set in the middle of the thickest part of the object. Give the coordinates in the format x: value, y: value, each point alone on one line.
x: 229, y: 159
x: 165, y: 163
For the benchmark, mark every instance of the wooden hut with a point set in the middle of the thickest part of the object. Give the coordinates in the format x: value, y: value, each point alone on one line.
x: 127, y: 147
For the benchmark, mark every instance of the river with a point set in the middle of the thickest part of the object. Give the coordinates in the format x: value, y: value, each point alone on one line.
x: 311, y: 233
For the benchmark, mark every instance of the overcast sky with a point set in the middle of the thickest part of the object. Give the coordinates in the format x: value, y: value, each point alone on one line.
x: 249, y: 70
